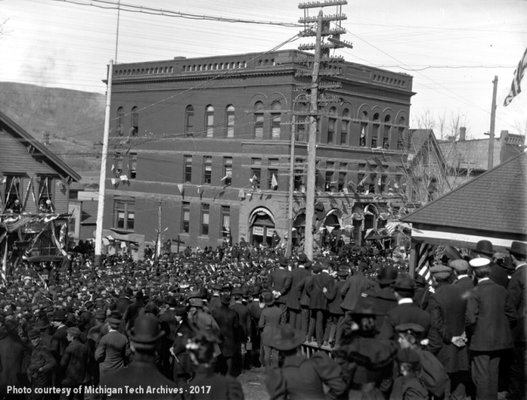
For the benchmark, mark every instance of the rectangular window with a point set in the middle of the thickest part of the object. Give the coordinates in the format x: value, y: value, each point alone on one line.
x: 205, y: 213
x: 400, y: 139
x: 375, y: 135
x: 386, y: 137
x: 118, y: 163
x: 329, y: 176
x: 343, y: 173
x: 301, y: 128
x: 133, y: 165
x: 344, y: 131
x: 188, y: 169
x: 256, y: 172
x: 135, y: 122
x: 124, y: 214
x: 185, y: 217
x: 258, y: 125
x: 227, y: 171
x: 363, y: 133
x: 332, y: 122
x: 272, y: 174
x: 275, y: 125
x: 207, y: 170
x: 225, y: 221
x: 299, y: 184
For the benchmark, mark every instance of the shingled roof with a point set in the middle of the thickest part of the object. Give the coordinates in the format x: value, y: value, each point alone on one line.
x: 494, y: 203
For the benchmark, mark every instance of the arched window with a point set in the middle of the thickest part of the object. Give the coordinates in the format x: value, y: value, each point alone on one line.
x: 344, y: 126
x: 276, y: 119
x: 230, y: 120
x: 209, y: 120
x: 189, y: 121
x: 258, y: 120
x: 134, y: 130
x: 386, y: 132
x: 376, y: 129
x: 332, y: 124
x: 401, y: 133
x: 120, y: 121
x: 363, y: 129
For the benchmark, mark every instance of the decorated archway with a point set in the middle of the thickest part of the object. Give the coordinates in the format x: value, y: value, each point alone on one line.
x: 261, y: 227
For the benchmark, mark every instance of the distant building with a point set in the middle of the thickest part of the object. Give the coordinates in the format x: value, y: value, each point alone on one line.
x: 467, y: 159
x: 203, y: 146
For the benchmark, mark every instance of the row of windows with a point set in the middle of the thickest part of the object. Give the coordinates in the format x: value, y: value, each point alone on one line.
x: 215, y: 66
x: 14, y: 199
x: 149, y: 70
x: 224, y: 228
x: 367, y: 131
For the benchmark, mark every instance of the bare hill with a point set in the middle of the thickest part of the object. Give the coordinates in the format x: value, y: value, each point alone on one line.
x: 69, y: 122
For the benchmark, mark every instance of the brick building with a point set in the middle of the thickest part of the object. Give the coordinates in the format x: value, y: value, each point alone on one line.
x: 203, y: 145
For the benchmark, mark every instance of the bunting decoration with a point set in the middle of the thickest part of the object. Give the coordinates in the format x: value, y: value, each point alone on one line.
x: 181, y: 188
x: 274, y: 182
x: 519, y: 72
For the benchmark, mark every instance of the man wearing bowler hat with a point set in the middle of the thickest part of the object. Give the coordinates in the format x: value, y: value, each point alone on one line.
x: 142, y: 372
x: 113, y: 350
x: 484, y: 249
x: 405, y: 311
x: 74, y: 362
x: 516, y: 301
x: 41, y: 365
x: 487, y: 328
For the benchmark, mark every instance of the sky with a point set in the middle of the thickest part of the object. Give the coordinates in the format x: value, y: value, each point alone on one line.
x: 453, y: 49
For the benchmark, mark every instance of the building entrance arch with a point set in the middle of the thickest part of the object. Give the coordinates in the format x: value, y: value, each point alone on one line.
x: 261, y: 227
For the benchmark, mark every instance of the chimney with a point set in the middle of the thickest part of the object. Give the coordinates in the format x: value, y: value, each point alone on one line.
x: 462, y: 133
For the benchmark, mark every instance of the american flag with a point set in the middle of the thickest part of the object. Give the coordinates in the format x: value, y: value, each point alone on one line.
x: 518, y: 75
x: 423, y: 253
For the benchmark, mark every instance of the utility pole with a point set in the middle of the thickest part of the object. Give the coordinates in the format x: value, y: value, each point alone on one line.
x: 159, y: 233
x: 291, y: 187
x: 102, y: 177
x: 321, y: 51
x: 492, y: 123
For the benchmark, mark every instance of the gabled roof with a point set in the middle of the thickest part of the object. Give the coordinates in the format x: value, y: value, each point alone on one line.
x: 64, y: 169
x: 494, y: 202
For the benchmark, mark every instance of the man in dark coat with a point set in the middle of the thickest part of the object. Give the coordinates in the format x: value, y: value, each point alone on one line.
x: 41, y: 365
x: 59, y: 342
x: 182, y: 367
x: 113, y: 350
x: 253, y: 348
x: 516, y: 300
x: 321, y: 289
x: 451, y: 302
x: 498, y: 274
x: 74, y: 362
x: 245, y: 321
x: 279, y: 282
x: 142, y: 372
x: 12, y: 353
x: 293, y: 298
x: 487, y: 328
x: 382, y: 295
x: 230, y: 330
x: 405, y: 311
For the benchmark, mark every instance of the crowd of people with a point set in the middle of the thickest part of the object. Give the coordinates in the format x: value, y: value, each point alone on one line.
x: 187, y: 325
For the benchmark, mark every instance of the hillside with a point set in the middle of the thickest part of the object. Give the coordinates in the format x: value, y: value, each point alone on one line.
x: 71, y: 122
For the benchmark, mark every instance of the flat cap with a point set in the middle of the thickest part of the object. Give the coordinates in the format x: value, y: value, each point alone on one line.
x: 459, y: 265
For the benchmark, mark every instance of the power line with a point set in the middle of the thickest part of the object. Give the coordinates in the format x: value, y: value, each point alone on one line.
x: 174, y: 14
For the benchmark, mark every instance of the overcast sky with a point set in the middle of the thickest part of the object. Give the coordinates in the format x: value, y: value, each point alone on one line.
x: 452, y: 48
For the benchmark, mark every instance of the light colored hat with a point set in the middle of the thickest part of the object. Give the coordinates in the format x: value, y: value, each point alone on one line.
x: 479, y: 262
x: 459, y: 265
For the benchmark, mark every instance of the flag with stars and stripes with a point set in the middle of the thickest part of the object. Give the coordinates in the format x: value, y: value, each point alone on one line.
x: 516, y: 81
x: 424, y: 252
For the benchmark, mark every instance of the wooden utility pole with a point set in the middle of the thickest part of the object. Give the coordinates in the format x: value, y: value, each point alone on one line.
x: 102, y: 177
x: 492, y: 123
x: 291, y: 186
x: 312, y: 146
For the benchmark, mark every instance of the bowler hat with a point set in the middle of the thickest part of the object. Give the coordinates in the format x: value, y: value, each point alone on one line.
x: 484, y: 247
x: 59, y: 315
x: 146, y: 331
x: 518, y: 249
x: 459, y: 265
x: 302, y: 258
x: 74, y: 331
x: 404, y: 283
x: 387, y: 275
x: 284, y: 337
x: 180, y: 310
x: 195, y: 302
x: 268, y: 298
x: 115, y: 318
x: 284, y: 262
x: 365, y: 307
